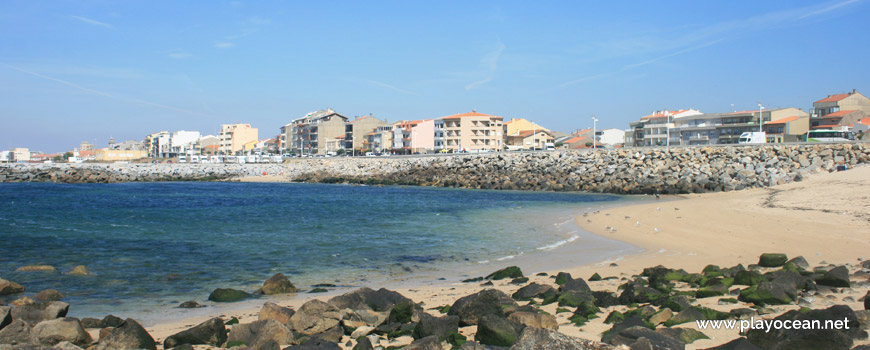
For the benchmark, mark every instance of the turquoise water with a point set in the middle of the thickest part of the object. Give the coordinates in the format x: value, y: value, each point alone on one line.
x: 154, y: 245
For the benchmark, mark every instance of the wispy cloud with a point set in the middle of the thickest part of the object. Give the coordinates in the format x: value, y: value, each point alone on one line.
x: 388, y: 86
x: 179, y: 54
x: 692, y: 39
x: 91, y: 21
x: 224, y: 44
x: 102, y: 93
x: 250, y: 26
x: 490, y: 61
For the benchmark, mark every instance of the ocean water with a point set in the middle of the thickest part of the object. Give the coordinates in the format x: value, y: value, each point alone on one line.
x: 154, y: 245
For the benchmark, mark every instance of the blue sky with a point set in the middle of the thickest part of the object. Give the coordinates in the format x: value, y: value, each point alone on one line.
x: 87, y: 70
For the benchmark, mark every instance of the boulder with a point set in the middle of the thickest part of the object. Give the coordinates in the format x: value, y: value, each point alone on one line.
x: 534, y: 290
x: 22, y: 301
x: 211, y: 332
x: 58, y: 330
x: 363, y: 344
x: 363, y: 318
x: 545, y: 339
x: 315, y: 343
x: 428, y: 343
x: 35, y: 313
x: 748, y: 278
x: 471, y: 308
x: 629, y: 322
x: 772, y: 260
x: 630, y: 336
x: 258, y: 333
x: 768, y: 293
x: 836, y: 277
x: 190, y: 304
x: 278, y: 284
x: 736, y: 344
x: 272, y: 311
x: 575, y: 284
x: 5, y: 316
x: 17, y: 332
x: 404, y: 312
x: 799, y: 262
x: 690, y: 314
x: 9, y: 287
x: 661, y: 316
x: 36, y: 268
x: 496, y: 330
x: 49, y: 295
x: 80, y: 270
x: 65, y: 345
x: 605, y: 298
x: 440, y: 327
x: 576, y: 298
x: 534, y: 319
x: 829, y: 339
x: 130, y: 335
x: 314, y: 317
x: 366, y: 298
x: 684, y: 335
x: 507, y: 272
x: 562, y: 277
x: 227, y: 295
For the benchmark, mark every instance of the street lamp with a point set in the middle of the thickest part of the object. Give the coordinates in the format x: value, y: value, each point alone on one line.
x: 668, y: 128
x: 594, y: 125
x: 760, y: 120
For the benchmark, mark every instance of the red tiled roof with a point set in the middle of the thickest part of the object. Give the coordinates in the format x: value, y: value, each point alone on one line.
x: 470, y: 114
x: 662, y: 114
x: 839, y: 113
x: 865, y: 121
x: 574, y: 139
x: 784, y: 120
x: 527, y: 133
x: 825, y: 126
x: 340, y: 137
x: 833, y: 98
x: 743, y: 112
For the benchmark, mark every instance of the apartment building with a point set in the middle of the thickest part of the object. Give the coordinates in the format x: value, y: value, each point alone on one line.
x: 473, y: 131
x: 355, y: 131
x: 313, y: 132
x: 516, y: 125
x: 416, y: 136
x: 157, y: 143
x: 788, y: 129
x: 655, y: 129
x: 725, y: 128
x: 183, y: 143
x: 380, y: 140
x: 528, y: 139
x: 234, y: 137
x: 852, y: 101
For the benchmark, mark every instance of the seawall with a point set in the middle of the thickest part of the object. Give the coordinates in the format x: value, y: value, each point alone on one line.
x: 621, y: 171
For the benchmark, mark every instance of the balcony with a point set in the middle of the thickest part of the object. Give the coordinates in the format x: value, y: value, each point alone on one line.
x: 699, y: 138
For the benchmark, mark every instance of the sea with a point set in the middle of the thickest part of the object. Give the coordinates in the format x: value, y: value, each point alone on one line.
x: 151, y: 246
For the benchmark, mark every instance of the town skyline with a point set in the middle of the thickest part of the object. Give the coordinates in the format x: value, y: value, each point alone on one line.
x: 87, y: 72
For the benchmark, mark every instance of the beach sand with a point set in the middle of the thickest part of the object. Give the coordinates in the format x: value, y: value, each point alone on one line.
x: 825, y: 218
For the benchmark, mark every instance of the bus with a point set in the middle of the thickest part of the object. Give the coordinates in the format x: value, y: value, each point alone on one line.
x: 828, y: 136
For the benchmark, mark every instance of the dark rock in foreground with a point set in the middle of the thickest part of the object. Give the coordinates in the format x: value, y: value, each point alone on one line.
x: 129, y: 335
x: 227, y: 295
x: 278, y: 284
x: 211, y: 332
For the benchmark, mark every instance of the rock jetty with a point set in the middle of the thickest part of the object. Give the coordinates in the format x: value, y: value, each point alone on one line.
x: 619, y: 171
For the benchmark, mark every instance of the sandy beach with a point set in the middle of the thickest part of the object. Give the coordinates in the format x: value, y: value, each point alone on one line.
x: 825, y: 219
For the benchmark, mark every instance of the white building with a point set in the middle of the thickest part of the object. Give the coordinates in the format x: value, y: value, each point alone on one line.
x: 184, y: 142
x: 20, y: 155
x: 611, y: 137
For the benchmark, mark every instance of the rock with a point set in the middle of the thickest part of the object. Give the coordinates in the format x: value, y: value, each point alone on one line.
x: 772, y: 260
x: 9, y: 287
x: 428, y: 343
x: 333, y: 334
x: 361, y: 332
x: 128, y: 336
x: 314, y: 317
x: 363, y: 317
x: 836, y: 277
x: 278, y: 284
x: 80, y: 270
x: 35, y: 313
x: 5, y: 316
x: 631, y: 335
x: 34, y: 268
x: 828, y: 339
x: 226, y: 295
x: 190, y: 304
x: 544, y: 339
x: 575, y: 284
x: 366, y: 298
x: 49, y: 295
x: 258, y: 333
x: 17, y: 332
x: 736, y: 344
x: 534, y: 319
x: 576, y: 298
x: 54, y: 331
x: 562, y: 277
x: 472, y: 307
x: 496, y: 330
x: 111, y: 321
x: 315, y: 343
x: 211, y: 332
x: 507, y: 272
x: 661, y: 317
x: 473, y: 345
x: 440, y: 327
x: 363, y: 344
x: 687, y: 315
x: 272, y: 311
x: 595, y: 277
x: 65, y: 345
x: 23, y: 301
x: 534, y: 290
x: 748, y: 278
x: 768, y: 293
x: 800, y: 262
x: 639, y: 294
x: 684, y: 335
x: 629, y: 322
x: 867, y: 301
x: 405, y: 312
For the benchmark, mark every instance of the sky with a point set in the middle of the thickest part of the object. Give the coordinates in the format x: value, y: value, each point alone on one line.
x: 73, y: 71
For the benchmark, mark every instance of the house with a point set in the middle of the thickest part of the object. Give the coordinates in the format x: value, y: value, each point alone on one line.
x: 528, y: 139
x: 234, y: 137
x: 655, y: 129
x: 311, y: 133
x: 473, y: 131
x: 514, y: 126
x: 724, y: 128
x: 841, y: 102
x: 355, y: 131
x: 183, y: 143
x: 610, y: 137
x: 788, y: 129
x: 157, y: 143
x: 20, y: 155
x: 208, y: 144
x: 410, y: 137
x: 839, y: 120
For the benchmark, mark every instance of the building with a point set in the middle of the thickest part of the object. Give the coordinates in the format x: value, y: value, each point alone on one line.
x: 127, y: 145
x: 655, y: 129
x: 20, y: 155
x: 725, y: 128
x: 183, y: 143
x: 311, y: 133
x: 528, y: 139
x: 355, y: 131
x: 473, y: 131
x: 516, y: 125
x: 852, y: 101
x: 416, y: 136
x: 114, y: 155
x: 157, y: 143
x: 380, y: 140
x: 209, y: 144
x: 839, y: 120
x: 86, y: 146
x: 234, y: 137
x: 610, y: 137
x: 788, y: 129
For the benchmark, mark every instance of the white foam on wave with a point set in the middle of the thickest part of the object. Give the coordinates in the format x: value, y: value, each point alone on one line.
x: 505, y: 258
x: 559, y: 243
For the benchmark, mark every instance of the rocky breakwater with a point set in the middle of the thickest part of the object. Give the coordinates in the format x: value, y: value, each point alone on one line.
x: 146, y: 172
x: 620, y: 171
